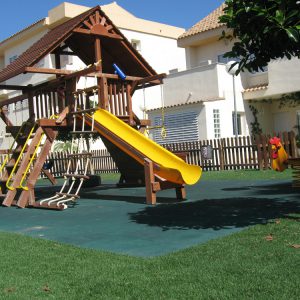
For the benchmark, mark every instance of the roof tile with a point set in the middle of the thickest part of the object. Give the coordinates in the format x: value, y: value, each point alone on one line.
x: 208, y: 23
x: 256, y: 88
x: 34, y: 53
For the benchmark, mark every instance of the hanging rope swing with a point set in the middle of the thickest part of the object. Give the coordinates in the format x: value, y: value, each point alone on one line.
x: 162, y: 127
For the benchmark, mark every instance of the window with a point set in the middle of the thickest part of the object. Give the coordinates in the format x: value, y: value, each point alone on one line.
x: 180, y: 127
x: 217, y: 128
x: 13, y: 58
x: 225, y: 60
x: 239, y: 124
x: 66, y: 59
x: 136, y: 44
x: 262, y: 70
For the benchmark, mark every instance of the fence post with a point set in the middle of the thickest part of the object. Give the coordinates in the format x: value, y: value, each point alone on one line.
x: 259, y: 153
x: 293, y: 146
x: 221, y: 154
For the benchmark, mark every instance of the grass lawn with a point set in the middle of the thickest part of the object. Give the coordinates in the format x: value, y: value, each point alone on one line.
x: 261, y: 262
x: 246, y: 265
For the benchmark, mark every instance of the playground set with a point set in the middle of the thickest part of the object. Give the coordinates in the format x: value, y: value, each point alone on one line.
x: 118, y: 70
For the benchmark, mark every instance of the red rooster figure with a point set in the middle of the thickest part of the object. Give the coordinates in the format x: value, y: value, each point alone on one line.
x: 279, y: 156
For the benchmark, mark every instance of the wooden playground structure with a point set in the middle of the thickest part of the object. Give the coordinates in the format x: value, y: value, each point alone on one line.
x: 59, y: 105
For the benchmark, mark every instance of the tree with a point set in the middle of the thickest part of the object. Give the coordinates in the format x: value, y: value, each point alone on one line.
x: 265, y: 30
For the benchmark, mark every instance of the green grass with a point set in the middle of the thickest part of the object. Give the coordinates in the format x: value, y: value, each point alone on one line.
x: 109, y: 178
x: 244, y: 265
x: 240, y: 266
x: 246, y: 175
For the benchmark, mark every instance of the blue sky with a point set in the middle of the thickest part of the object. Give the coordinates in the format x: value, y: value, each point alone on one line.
x: 17, y: 14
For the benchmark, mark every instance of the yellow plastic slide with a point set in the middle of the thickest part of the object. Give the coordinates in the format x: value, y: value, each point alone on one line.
x: 170, y: 166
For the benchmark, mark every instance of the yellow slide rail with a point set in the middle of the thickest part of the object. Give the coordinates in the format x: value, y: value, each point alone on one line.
x: 10, y: 187
x: 11, y: 147
x: 29, y: 164
x: 32, y: 159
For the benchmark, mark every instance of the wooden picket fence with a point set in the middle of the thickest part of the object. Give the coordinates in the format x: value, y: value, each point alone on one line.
x: 101, y: 159
x: 212, y: 155
x: 245, y: 152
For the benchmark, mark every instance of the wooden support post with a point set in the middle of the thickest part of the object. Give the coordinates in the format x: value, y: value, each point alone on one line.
x: 101, y: 84
x: 57, y: 63
x: 27, y: 196
x: 149, y: 181
x: 180, y: 192
x: 103, y: 93
x: 30, y: 101
x: 70, y: 88
x: 129, y: 104
x: 23, y: 165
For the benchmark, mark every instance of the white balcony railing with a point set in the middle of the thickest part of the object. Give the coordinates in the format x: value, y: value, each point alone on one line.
x: 196, y: 84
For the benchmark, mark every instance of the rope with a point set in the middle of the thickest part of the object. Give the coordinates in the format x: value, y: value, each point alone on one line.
x: 163, y: 131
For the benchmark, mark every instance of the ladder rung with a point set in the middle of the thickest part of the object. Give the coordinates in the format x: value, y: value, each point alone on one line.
x: 83, y: 111
x: 80, y: 154
x: 68, y: 195
x: 76, y: 176
x: 83, y: 132
x: 9, y: 165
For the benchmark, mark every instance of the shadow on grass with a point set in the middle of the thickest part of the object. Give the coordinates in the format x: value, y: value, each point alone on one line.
x: 268, y: 189
x: 215, y: 213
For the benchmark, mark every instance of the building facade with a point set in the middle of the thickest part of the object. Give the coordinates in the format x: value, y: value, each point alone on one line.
x: 204, y: 97
x: 156, y: 42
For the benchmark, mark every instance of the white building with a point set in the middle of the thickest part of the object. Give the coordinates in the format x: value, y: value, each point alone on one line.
x: 156, y: 42
x: 199, y: 100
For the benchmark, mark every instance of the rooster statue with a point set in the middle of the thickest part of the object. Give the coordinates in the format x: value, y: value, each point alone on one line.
x: 279, y: 156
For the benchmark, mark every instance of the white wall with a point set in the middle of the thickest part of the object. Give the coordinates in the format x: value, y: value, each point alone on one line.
x: 163, y: 55
x: 209, y: 51
x: 284, y: 76
x: 192, y: 85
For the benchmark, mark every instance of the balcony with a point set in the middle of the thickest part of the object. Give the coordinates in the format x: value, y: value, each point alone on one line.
x: 203, y: 83
x: 283, y: 77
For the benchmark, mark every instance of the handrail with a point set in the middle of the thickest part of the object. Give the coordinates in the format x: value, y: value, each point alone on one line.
x: 29, y: 164
x: 32, y: 159
x: 12, y: 145
x: 10, y: 187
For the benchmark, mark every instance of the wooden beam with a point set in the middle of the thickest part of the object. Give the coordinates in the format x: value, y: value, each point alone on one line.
x: 96, y: 32
x: 13, y: 87
x: 83, y: 72
x: 81, y: 30
x: 136, y: 58
x: 47, y: 71
x: 13, y: 100
x: 67, y: 53
x: 4, y: 117
x: 155, y: 79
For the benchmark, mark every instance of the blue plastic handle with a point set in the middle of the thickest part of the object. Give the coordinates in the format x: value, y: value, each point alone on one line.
x: 119, y: 72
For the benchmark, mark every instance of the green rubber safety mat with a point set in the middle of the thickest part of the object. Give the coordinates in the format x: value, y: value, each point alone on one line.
x: 118, y: 220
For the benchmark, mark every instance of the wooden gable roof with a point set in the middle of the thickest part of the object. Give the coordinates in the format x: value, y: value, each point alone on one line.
x: 79, y: 34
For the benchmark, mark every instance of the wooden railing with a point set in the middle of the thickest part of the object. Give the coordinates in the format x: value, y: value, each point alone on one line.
x: 47, y: 103
x: 119, y: 99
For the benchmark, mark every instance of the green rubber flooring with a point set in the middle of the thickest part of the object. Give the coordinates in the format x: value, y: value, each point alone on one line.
x: 118, y: 220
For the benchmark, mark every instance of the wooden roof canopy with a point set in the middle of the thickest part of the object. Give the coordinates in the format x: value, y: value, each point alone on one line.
x: 79, y: 35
